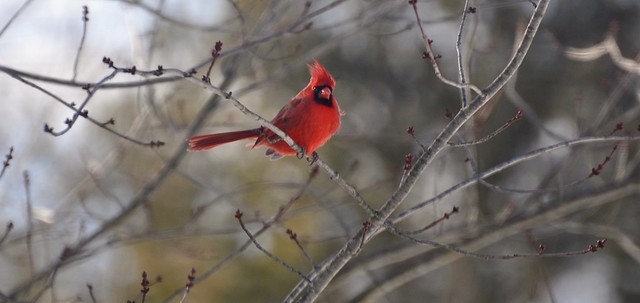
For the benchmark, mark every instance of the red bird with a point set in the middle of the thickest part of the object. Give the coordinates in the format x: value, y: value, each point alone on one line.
x: 310, y: 119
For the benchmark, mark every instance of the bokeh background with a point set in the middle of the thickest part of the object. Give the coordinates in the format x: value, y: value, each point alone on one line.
x: 80, y: 181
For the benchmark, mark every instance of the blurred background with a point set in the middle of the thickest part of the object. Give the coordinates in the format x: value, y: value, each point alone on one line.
x: 91, y: 208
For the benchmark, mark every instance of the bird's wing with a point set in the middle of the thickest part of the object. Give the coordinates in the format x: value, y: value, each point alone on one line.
x: 285, y: 113
x: 283, y: 120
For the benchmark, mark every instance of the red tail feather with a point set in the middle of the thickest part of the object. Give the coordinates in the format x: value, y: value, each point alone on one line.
x: 205, y: 142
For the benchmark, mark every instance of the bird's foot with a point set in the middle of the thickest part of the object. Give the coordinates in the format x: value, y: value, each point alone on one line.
x: 300, y: 154
x: 313, y: 158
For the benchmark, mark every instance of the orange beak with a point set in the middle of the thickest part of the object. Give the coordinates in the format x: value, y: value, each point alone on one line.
x: 325, y: 93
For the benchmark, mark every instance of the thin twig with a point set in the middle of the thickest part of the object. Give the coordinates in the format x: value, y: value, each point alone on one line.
x: 429, y: 54
x: 623, y: 239
x: 7, y: 230
x: 93, y: 297
x: 502, y: 166
x: 187, y: 288
x: 517, y: 117
x: 595, y: 171
x: 103, y: 125
x: 85, y: 20
x: 215, y: 54
x: 444, y: 217
x: 7, y: 161
x: 238, y: 216
x: 27, y: 189
x: 15, y: 15
x: 411, y: 131
x: 541, y: 254
x: 294, y: 237
x: 266, y: 225
x: 145, y: 286
x: 541, y: 268
x: 81, y: 111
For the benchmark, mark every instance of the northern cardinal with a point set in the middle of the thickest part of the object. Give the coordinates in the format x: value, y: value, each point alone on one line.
x: 310, y: 119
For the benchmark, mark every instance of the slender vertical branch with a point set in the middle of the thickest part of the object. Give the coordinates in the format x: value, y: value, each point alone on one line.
x: 461, y: 70
x: 432, y: 57
x: 85, y: 20
x: 27, y: 189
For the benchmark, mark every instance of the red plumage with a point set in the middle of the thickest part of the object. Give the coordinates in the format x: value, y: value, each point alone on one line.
x: 310, y: 119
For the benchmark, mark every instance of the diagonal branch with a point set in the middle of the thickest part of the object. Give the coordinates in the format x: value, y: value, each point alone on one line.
x: 303, y: 292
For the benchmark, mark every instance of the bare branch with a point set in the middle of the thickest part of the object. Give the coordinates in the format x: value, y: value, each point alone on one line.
x: 432, y: 57
x: 85, y: 20
x: 29, y: 219
x: 7, y: 230
x: 266, y: 252
x: 187, y: 288
x: 461, y: 71
x: 500, y: 167
x: 5, y: 164
x: 608, y: 46
x: 15, y: 16
x: 517, y: 117
x: 482, y: 239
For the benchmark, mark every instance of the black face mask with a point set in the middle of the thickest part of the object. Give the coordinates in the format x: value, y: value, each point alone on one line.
x: 317, y: 95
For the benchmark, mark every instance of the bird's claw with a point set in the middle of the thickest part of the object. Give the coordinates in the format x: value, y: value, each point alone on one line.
x: 300, y: 154
x: 313, y: 158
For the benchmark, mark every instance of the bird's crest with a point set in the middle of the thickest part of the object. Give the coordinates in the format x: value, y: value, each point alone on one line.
x: 320, y: 76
